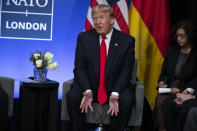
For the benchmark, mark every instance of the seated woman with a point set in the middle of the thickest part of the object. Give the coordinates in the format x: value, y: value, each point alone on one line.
x: 182, y: 76
x: 178, y: 73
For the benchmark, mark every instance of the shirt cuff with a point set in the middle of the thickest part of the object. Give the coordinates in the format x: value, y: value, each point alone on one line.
x: 88, y: 90
x: 190, y: 90
x: 115, y: 93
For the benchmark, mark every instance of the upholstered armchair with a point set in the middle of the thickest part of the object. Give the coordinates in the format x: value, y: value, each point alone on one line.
x: 99, y: 115
x: 7, y: 92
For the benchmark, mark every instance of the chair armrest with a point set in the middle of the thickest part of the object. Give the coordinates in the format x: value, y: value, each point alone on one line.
x: 137, y: 111
x: 65, y: 89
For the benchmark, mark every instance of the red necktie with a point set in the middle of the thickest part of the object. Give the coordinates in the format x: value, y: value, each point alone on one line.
x: 102, y: 93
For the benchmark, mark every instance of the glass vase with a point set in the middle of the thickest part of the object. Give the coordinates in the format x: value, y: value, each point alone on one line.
x: 40, y: 74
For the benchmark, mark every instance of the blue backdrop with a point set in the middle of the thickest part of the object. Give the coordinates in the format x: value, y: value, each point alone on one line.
x: 68, y: 20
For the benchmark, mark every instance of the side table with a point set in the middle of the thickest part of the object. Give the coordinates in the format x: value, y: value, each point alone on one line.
x: 38, y: 106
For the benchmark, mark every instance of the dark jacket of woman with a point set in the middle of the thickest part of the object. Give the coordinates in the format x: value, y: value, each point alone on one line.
x: 188, y: 71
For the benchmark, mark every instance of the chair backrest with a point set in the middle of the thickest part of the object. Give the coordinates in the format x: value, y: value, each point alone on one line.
x: 7, y: 85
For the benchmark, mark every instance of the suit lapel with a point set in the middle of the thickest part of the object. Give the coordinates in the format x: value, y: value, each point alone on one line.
x: 112, y: 52
x: 95, y: 49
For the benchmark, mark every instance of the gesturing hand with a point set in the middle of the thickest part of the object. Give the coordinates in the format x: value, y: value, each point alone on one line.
x: 86, y: 102
x: 113, y: 105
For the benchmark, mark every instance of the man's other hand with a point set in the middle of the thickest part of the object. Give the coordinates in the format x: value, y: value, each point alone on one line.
x: 113, y: 105
x: 86, y: 102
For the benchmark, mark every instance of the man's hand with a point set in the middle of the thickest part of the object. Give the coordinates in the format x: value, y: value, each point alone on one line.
x: 113, y: 105
x: 86, y: 102
x: 162, y: 84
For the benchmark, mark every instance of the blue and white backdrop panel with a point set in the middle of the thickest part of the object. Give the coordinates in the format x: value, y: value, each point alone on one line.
x: 64, y: 20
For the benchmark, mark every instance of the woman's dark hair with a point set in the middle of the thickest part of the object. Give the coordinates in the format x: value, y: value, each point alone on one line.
x: 189, y: 28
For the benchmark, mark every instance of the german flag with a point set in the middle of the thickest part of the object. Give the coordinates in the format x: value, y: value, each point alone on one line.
x: 149, y: 23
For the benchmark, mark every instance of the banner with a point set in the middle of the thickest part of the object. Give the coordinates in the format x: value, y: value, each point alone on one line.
x: 149, y: 23
x: 26, y: 19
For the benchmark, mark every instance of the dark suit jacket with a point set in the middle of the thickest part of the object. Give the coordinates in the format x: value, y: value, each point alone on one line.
x: 119, y: 64
x: 188, y: 73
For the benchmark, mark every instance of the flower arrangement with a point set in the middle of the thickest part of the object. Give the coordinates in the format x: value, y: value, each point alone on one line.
x: 42, y: 61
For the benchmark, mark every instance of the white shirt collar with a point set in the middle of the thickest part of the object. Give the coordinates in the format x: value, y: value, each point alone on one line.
x: 108, y: 35
x: 107, y: 40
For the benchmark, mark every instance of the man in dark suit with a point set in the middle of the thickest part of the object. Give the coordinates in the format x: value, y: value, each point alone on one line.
x: 104, y: 62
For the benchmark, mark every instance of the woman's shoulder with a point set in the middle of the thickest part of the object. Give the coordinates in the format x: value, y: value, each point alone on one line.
x: 173, y: 49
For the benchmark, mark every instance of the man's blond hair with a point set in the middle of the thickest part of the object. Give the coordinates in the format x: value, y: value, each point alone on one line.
x: 103, y: 8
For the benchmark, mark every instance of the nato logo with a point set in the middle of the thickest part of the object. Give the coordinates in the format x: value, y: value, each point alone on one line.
x: 26, y: 19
